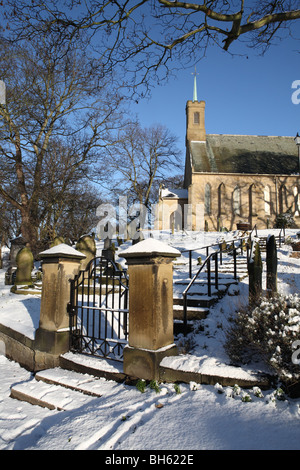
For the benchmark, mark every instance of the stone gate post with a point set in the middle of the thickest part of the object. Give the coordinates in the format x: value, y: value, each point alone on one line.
x: 60, y: 263
x: 151, y: 337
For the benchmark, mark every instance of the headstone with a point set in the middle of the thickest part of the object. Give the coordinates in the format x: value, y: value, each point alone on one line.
x: 271, y: 261
x: 24, y: 267
x: 16, y: 245
x: 87, y: 246
x: 255, y: 275
x: 109, y: 252
x: 138, y: 237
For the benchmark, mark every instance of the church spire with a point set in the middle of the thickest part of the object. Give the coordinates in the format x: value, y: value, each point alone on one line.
x: 195, y: 116
x: 195, y: 98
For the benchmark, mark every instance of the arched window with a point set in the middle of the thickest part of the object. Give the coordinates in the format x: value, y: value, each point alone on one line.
x: 236, y: 200
x: 283, y: 201
x: 196, y: 118
x: 176, y: 220
x: 221, y: 199
x: 252, y: 200
x: 267, y: 199
x: 207, y: 199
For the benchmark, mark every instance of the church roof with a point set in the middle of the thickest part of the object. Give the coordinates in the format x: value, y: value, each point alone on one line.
x: 252, y: 154
x: 174, y: 193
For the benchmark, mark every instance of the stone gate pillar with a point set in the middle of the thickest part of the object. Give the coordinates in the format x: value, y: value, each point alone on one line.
x: 60, y: 263
x: 151, y: 337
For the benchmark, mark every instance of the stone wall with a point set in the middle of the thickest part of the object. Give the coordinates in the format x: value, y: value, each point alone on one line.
x: 259, y: 197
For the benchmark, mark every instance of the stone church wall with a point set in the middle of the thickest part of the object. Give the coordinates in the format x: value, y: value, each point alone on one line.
x: 229, y: 199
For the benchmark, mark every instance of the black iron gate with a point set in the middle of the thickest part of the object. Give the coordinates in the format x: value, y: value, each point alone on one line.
x: 98, y: 310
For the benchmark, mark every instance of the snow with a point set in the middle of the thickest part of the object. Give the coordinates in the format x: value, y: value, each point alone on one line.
x: 62, y: 249
x: 174, y: 193
x: 119, y: 417
x: 19, y: 312
x: 150, y: 246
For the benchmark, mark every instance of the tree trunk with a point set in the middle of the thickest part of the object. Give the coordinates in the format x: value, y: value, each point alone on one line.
x: 29, y: 231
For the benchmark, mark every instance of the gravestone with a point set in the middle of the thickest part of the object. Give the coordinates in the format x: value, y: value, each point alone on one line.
x: 87, y: 246
x: 255, y: 274
x: 109, y: 249
x: 16, y: 245
x: 271, y: 261
x: 138, y: 237
x: 24, y: 267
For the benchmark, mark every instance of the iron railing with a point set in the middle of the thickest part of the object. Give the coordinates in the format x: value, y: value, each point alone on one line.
x: 207, y: 247
x: 216, y: 256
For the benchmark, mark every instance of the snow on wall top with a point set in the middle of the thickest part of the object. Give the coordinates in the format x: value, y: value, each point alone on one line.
x: 147, y: 247
x: 62, y: 250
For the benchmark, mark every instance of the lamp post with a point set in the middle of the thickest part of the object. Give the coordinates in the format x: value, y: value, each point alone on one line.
x: 297, y: 140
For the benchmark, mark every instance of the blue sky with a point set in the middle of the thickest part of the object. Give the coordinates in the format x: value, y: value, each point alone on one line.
x: 243, y: 95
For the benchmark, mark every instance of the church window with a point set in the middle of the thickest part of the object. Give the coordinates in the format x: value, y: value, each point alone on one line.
x: 283, y: 202
x: 221, y: 199
x: 196, y: 118
x: 252, y: 205
x: 207, y: 199
x: 236, y: 199
x: 176, y: 220
x: 267, y: 199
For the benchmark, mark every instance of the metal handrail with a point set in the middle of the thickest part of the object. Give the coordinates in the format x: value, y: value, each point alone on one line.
x: 254, y: 228
x: 281, y: 230
x: 247, y: 237
x: 228, y: 242
x: 207, y: 262
x: 215, y: 256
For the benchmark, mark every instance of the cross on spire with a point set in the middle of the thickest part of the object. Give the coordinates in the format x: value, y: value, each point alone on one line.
x: 195, y: 98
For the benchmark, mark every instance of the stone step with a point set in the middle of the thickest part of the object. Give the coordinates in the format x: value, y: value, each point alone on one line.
x: 93, y: 366
x: 64, y: 393
x: 229, y: 269
x: 83, y: 383
x: 201, y: 287
x: 197, y: 301
x: 223, y: 278
x: 193, y: 313
x: 263, y: 242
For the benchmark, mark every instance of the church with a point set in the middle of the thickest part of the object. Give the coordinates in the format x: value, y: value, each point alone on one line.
x: 231, y: 181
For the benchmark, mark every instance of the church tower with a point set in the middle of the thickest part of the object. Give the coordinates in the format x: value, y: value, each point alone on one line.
x: 195, y: 117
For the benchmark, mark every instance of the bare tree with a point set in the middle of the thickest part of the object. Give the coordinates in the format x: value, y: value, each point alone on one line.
x: 68, y: 202
x: 53, y: 92
x: 79, y: 215
x: 139, y: 158
x: 146, y: 35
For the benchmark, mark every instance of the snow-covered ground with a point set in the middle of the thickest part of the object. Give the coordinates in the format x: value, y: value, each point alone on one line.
x: 196, y: 417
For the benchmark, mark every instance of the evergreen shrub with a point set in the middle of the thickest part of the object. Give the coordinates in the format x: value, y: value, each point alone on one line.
x: 268, y: 331
x: 285, y: 220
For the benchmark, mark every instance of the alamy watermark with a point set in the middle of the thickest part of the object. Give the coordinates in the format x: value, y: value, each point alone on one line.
x: 296, y: 94
x: 296, y: 353
x: 2, y: 93
x: 126, y: 221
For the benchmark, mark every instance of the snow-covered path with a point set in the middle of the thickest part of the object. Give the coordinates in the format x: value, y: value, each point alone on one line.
x: 124, y: 418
